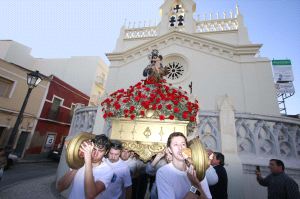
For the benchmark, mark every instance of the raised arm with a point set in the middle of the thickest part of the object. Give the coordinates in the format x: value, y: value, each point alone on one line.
x: 65, y: 181
x: 262, y: 181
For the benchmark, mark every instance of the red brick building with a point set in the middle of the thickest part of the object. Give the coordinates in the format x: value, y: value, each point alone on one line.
x: 55, y: 119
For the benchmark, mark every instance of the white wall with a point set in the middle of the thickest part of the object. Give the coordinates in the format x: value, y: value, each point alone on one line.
x: 80, y: 72
x: 16, y: 53
x: 249, y: 84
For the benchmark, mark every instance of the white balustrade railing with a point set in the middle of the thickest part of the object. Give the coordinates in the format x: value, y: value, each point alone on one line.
x: 268, y: 136
x: 83, y: 120
x: 217, y: 25
x: 145, y: 32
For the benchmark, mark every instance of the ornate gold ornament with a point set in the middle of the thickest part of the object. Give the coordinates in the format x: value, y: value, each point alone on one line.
x: 145, y: 136
x: 72, y: 153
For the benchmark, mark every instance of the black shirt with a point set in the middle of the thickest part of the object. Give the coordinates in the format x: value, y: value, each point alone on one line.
x: 219, y: 190
x: 280, y: 186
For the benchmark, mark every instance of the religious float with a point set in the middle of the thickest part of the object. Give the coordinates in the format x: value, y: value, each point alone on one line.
x: 143, y: 116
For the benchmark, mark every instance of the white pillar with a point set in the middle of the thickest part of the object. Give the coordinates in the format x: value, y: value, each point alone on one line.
x: 233, y: 163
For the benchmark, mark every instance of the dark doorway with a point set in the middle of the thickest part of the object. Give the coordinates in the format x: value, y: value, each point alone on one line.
x: 21, y: 143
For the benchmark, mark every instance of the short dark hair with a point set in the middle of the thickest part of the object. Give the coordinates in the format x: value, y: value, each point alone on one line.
x: 101, y: 141
x: 220, y: 157
x: 278, y: 163
x: 116, y: 144
x: 175, y: 134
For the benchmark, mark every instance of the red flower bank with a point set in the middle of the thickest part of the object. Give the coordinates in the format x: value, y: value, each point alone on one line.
x: 169, y: 102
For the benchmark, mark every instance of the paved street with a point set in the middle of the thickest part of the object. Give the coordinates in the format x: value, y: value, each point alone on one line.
x: 29, y: 180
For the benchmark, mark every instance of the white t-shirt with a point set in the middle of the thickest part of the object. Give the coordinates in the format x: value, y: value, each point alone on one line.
x: 132, y: 164
x: 174, y: 184
x: 102, y: 172
x: 121, y: 179
x: 171, y: 182
x: 211, y: 176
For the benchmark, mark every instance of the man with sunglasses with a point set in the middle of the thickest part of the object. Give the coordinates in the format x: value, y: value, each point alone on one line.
x: 121, y: 181
x: 94, y: 176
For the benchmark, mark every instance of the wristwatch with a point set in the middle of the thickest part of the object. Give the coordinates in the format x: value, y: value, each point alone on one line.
x: 195, y: 190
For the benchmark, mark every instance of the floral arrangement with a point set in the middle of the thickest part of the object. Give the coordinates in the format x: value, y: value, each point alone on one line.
x: 166, y: 101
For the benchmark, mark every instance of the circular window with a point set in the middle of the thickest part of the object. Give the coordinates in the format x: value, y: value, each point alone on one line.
x: 177, y: 68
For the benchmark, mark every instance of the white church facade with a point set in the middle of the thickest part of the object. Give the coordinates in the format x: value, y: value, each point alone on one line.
x: 214, y: 59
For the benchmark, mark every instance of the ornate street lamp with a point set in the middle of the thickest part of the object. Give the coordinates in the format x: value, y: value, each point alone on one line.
x: 33, y: 79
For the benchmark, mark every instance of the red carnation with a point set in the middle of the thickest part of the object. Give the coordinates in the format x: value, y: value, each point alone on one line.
x: 161, y: 117
x: 192, y: 118
x: 185, y: 115
x: 176, y: 110
x: 104, y: 115
x: 196, y: 106
x: 126, y: 111
x: 171, y: 117
x: 175, y: 102
x: 142, y: 113
x: 131, y: 108
x: 137, y: 98
x: 132, y: 116
x: 159, y: 107
x: 152, y: 95
x: 154, y: 107
x: 158, y: 100
x: 117, y: 106
x: 169, y: 106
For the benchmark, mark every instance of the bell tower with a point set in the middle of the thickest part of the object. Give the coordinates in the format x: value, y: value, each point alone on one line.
x: 177, y: 15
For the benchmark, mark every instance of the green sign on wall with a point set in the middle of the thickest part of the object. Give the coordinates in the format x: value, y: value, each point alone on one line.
x: 281, y: 62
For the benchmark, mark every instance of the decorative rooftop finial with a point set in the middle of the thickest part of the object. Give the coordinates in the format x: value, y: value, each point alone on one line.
x: 129, y: 23
x: 133, y: 24
x: 210, y: 16
x: 217, y: 15
x: 125, y: 22
x: 231, y: 14
x: 237, y: 9
x: 204, y: 16
x: 224, y: 15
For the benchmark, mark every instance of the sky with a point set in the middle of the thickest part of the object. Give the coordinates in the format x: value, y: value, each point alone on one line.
x: 65, y: 28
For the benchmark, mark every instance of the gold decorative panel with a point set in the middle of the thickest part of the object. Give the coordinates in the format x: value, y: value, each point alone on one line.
x: 145, y: 136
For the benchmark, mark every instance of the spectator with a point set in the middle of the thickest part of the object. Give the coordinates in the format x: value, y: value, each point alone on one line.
x: 280, y: 185
x: 219, y: 190
x: 211, y: 174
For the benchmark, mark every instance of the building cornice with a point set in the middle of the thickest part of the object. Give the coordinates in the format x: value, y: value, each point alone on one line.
x: 193, y: 41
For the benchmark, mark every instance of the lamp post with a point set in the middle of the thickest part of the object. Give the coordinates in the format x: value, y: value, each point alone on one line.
x: 33, y: 79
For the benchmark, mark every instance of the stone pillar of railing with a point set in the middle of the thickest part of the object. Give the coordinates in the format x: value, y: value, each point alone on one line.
x: 229, y: 148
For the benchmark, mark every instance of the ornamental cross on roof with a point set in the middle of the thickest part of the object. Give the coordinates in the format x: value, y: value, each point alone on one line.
x: 177, y: 8
x: 176, y: 16
x: 172, y: 20
x: 180, y: 20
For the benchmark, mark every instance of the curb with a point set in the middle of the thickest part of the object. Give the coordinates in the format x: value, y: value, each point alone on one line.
x: 22, y: 161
